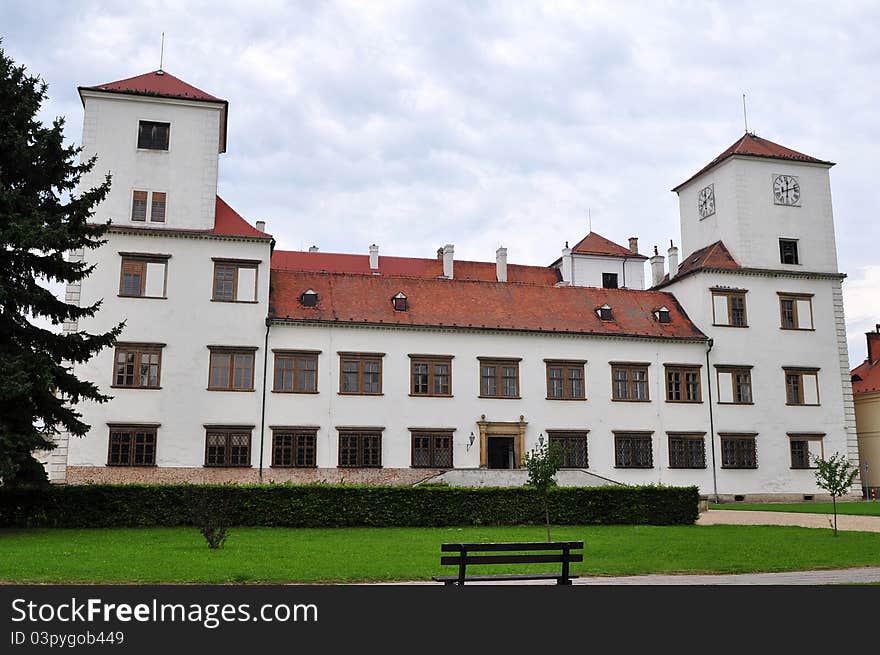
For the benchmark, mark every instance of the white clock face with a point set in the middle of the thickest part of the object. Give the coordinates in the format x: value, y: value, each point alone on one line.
x: 706, y: 201
x: 786, y: 190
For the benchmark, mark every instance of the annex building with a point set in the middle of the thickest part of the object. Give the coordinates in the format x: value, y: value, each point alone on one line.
x: 726, y: 368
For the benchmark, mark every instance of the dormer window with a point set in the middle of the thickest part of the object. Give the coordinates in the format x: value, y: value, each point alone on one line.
x: 399, y: 302
x: 662, y: 315
x: 604, y: 313
x: 309, y: 298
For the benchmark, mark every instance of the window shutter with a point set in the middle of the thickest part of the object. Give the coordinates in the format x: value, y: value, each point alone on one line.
x: 804, y: 315
x: 155, y: 284
x: 811, y: 389
x: 720, y: 302
x: 725, y: 387
x: 247, y: 284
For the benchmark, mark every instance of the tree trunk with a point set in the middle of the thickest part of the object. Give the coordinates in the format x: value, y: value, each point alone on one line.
x: 834, y: 503
x: 547, y: 515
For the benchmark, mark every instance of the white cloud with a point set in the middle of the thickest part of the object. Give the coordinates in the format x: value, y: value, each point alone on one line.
x: 861, y: 298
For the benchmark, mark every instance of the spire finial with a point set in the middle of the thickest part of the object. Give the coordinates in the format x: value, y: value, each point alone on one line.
x: 745, y: 115
x: 162, y: 52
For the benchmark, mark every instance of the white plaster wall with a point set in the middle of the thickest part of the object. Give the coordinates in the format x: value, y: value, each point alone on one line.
x: 187, y: 171
x: 588, y: 269
x: 187, y: 321
x: 768, y: 348
x: 751, y: 224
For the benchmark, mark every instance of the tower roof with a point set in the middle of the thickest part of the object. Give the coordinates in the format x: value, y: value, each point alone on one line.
x: 160, y: 84
x: 596, y: 244
x: 751, y: 145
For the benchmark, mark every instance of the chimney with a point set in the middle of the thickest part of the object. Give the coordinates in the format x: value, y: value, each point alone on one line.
x: 634, y: 245
x: 673, y: 259
x: 448, y: 251
x: 657, y: 267
x: 874, y: 344
x: 313, y: 248
x: 374, y: 257
x: 261, y: 226
x: 501, y: 264
x: 566, y: 265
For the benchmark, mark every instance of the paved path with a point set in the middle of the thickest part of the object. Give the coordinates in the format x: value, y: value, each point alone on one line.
x: 746, y: 517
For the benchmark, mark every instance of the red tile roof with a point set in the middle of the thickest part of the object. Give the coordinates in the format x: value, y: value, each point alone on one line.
x: 715, y: 255
x: 157, y: 83
x: 355, y: 298
x: 866, y: 377
x: 408, y: 267
x: 751, y: 145
x: 596, y: 244
x: 228, y: 222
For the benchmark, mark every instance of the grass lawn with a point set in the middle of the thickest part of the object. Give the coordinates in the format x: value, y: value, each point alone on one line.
x: 855, y: 508
x: 354, y: 554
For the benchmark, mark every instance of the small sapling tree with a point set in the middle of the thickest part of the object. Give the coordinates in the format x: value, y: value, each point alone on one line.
x: 543, y: 463
x: 835, y: 475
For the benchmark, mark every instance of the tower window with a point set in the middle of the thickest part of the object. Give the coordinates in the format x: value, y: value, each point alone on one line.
x: 399, y: 302
x: 788, y: 251
x: 153, y: 135
x: 609, y: 280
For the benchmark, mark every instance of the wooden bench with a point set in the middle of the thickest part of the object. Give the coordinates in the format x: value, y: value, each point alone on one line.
x: 464, y: 555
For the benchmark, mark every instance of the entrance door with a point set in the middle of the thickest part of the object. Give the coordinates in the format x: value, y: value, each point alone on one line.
x: 501, y: 453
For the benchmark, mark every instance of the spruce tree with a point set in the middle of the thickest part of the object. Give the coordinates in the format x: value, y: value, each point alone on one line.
x: 42, y: 217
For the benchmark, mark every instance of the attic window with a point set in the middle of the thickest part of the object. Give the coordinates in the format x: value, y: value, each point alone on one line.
x: 662, y: 315
x: 604, y: 313
x: 399, y: 302
x: 309, y: 298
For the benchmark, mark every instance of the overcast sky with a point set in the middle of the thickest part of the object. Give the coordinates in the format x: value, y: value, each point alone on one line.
x: 413, y: 124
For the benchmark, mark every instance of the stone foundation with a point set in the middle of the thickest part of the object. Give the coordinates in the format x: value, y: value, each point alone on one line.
x: 199, y: 475
x: 778, y: 498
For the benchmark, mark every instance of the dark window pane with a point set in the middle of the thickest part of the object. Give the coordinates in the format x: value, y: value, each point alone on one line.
x: 153, y: 135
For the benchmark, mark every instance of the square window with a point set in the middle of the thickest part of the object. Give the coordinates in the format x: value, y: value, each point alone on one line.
x: 499, y: 378
x: 565, y: 380
x: 132, y: 446
x: 153, y: 135
x: 431, y: 449
x: 609, y: 280
x: 788, y: 251
x: 430, y: 376
x: 360, y: 373
x: 360, y: 449
x: 294, y: 448
x: 573, y: 448
x: 235, y: 281
x: 228, y: 447
x: 231, y: 369
x: 738, y: 451
x: 137, y: 365
x: 633, y: 450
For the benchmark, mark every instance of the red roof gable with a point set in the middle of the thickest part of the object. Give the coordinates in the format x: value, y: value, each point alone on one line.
x: 408, y: 267
x: 353, y: 298
x: 715, y: 255
x: 596, y: 244
x: 158, y: 83
x: 866, y: 377
x: 229, y: 222
x: 751, y: 145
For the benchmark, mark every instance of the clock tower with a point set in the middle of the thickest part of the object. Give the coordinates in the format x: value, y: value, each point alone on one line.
x: 770, y: 205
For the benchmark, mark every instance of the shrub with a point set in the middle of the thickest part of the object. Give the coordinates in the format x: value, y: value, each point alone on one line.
x: 325, y: 506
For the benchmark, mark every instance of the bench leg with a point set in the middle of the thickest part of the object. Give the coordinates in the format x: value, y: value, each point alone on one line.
x: 563, y: 581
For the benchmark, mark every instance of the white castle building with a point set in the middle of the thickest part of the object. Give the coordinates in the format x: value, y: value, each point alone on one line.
x: 243, y: 362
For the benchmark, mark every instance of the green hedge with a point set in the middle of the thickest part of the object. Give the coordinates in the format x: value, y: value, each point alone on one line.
x: 314, y: 506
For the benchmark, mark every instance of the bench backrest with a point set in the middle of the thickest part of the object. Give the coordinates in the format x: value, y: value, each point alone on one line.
x: 463, y: 553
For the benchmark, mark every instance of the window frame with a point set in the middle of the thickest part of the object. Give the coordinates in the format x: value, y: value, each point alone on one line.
x: 801, y: 372
x: 128, y: 259
x: 797, y: 255
x: 430, y: 361
x: 235, y: 265
x: 686, y: 437
x: 630, y: 367
x: 683, y: 370
x: 794, y: 297
x: 360, y: 434
x: 499, y: 363
x: 738, y: 438
x: 232, y: 351
x: 433, y: 435
x: 229, y: 431
x: 634, y: 435
x: 360, y: 358
x: 729, y: 295
x: 564, y: 436
x: 299, y: 435
x: 804, y: 437
x: 167, y: 147
x: 148, y: 206
x: 132, y: 428
x: 606, y: 279
x: 139, y: 349
x: 734, y: 370
x: 567, y: 365
x: 297, y: 356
